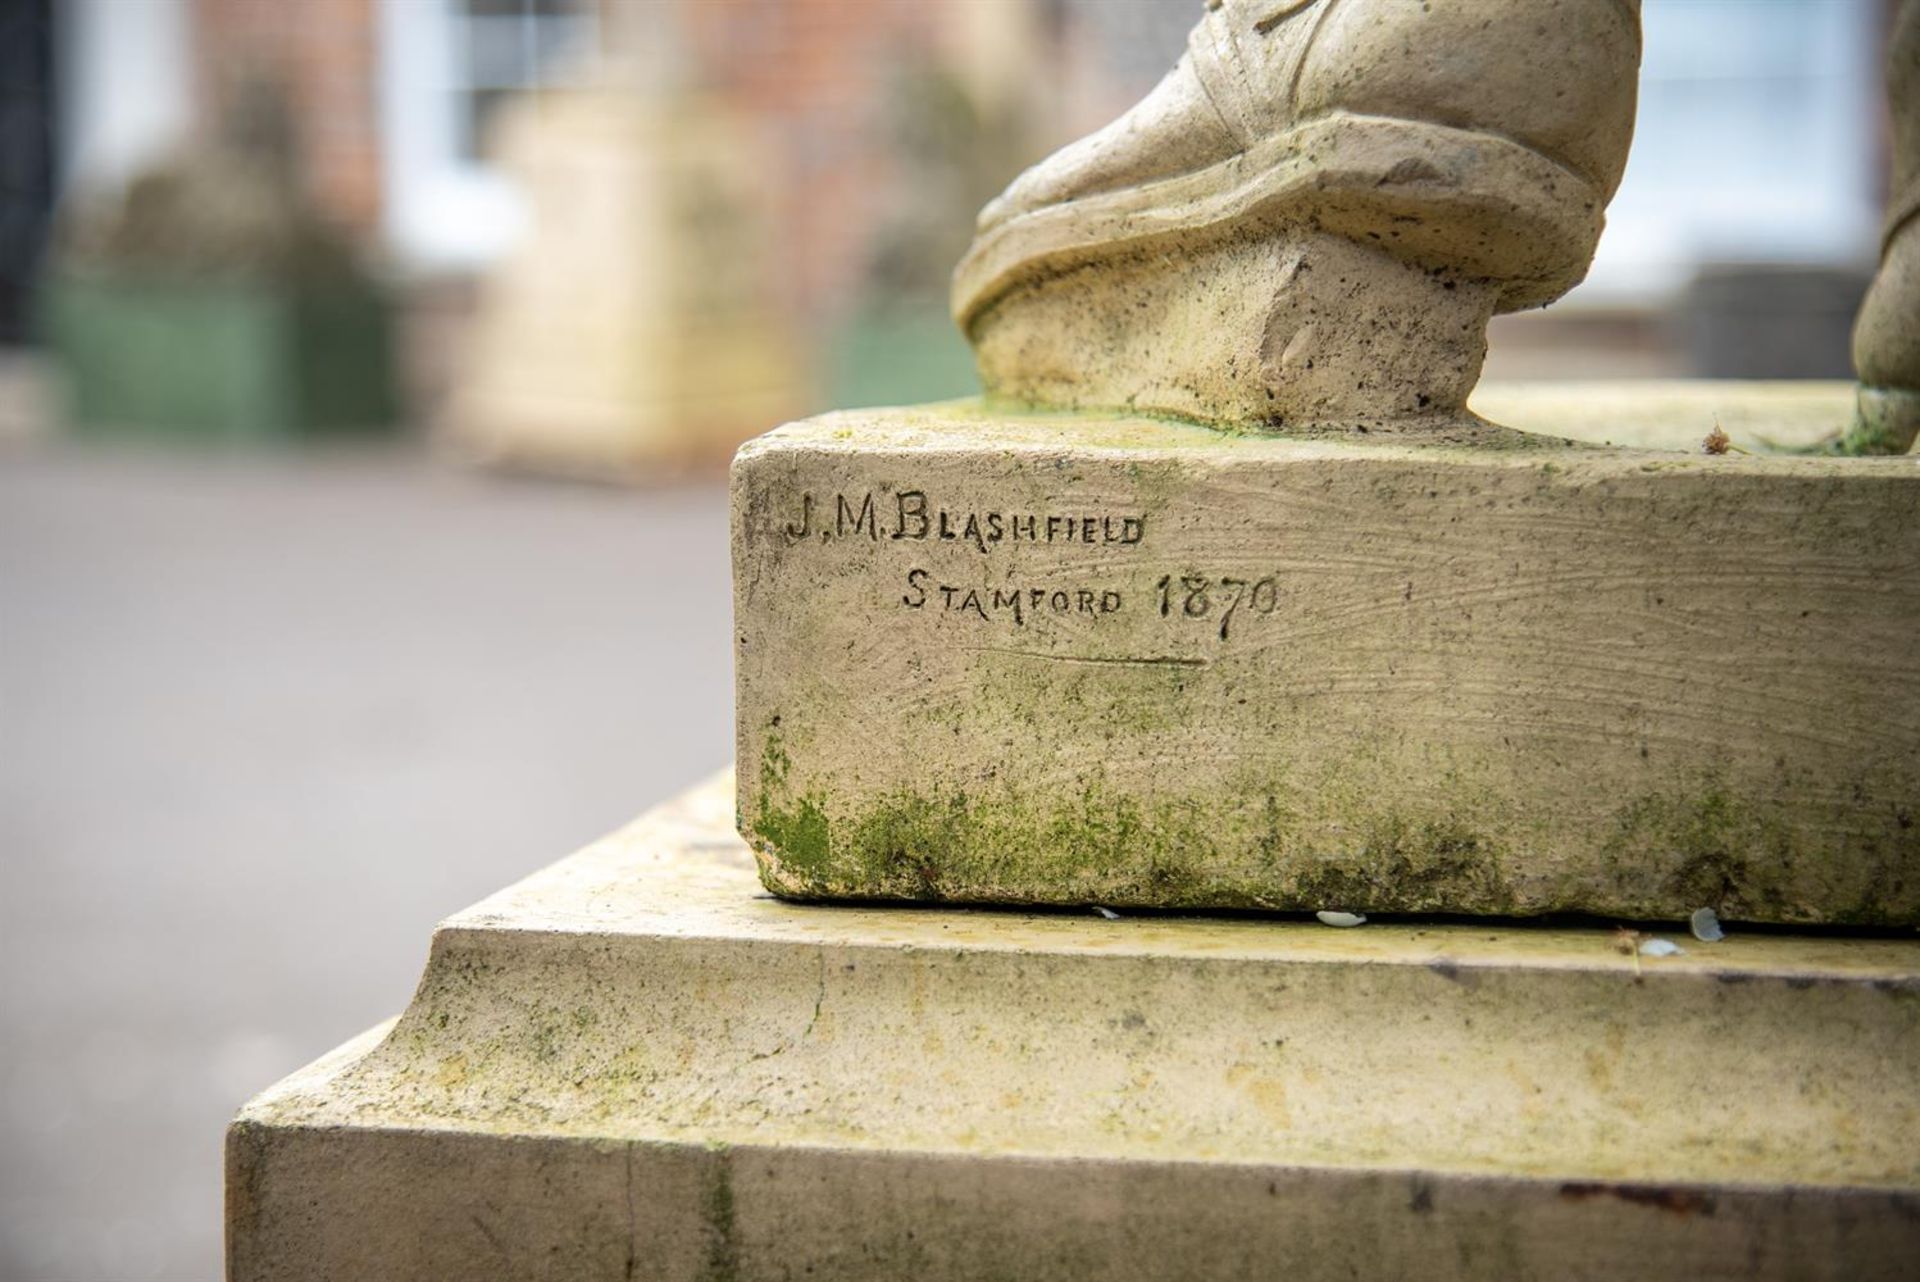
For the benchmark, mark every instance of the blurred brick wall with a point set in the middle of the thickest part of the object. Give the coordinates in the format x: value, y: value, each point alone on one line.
x: 325, y: 54
x: 816, y: 74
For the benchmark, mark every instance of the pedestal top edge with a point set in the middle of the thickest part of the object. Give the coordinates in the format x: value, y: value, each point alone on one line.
x: 681, y: 871
x: 1634, y: 426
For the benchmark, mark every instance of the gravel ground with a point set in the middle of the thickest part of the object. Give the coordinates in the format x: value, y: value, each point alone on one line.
x: 263, y: 721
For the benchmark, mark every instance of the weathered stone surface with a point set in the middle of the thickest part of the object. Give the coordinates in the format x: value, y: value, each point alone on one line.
x: 631, y: 1066
x: 1093, y: 660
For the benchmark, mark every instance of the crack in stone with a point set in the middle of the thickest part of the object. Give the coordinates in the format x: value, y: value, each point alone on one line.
x: 1145, y: 661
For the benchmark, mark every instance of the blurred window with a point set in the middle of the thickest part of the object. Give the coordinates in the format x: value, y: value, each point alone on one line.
x: 447, y: 65
x: 1758, y: 140
x: 502, y: 47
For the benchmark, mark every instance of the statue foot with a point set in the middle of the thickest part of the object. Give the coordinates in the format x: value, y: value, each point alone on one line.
x: 1310, y: 220
x: 1300, y: 332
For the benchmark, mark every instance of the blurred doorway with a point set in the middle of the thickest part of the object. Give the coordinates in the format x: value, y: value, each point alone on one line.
x: 26, y: 155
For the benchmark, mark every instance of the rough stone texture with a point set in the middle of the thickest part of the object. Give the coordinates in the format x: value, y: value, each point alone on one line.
x: 630, y: 1065
x: 1886, y: 339
x: 1311, y: 219
x: 1068, y: 659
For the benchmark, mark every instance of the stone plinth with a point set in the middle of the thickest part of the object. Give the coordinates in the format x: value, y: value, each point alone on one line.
x: 1068, y: 659
x: 634, y: 1065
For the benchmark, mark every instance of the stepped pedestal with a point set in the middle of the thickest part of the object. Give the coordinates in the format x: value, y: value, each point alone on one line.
x: 636, y: 1065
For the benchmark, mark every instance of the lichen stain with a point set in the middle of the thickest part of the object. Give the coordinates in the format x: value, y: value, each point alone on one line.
x: 1267, y: 1094
x: 1676, y: 1201
x: 723, y: 1250
x: 1703, y: 844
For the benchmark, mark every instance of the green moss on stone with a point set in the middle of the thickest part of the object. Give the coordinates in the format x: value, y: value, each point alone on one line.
x: 1702, y: 846
x: 1101, y: 845
x: 1336, y: 840
x: 1867, y: 436
x: 800, y: 831
x: 1422, y: 866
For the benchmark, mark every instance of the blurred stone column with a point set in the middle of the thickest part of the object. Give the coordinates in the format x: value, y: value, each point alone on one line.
x: 633, y: 330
